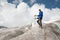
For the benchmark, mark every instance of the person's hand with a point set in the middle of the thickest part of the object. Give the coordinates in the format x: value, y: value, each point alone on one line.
x: 35, y: 16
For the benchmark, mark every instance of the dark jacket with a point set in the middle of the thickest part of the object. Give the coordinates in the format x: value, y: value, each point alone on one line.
x: 40, y: 16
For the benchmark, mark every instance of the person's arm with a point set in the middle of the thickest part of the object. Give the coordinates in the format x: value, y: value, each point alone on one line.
x: 35, y: 16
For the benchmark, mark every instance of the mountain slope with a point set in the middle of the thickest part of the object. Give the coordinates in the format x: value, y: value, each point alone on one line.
x: 49, y: 32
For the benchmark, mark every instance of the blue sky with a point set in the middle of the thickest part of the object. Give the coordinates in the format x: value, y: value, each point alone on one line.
x: 48, y: 3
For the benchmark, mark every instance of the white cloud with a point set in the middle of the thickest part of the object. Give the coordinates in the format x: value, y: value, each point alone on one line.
x: 49, y: 15
x: 17, y: 1
x: 56, y: 0
x: 12, y: 16
x: 23, y: 14
x: 32, y: 1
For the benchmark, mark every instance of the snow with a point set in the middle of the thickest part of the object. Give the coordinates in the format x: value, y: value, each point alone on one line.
x: 30, y: 32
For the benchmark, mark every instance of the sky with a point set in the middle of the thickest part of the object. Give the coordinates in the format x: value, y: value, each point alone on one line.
x: 15, y: 13
x: 48, y: 3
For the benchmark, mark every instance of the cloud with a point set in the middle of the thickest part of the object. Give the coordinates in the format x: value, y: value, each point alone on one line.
x: 12, y: 16
x: 17, y: 1
x: 32, y: 1
x: 56, y: 0
x: 49, y: 14
x: 23, y: 14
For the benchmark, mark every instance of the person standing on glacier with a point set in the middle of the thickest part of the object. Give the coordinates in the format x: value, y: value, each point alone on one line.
x: 39, y: 17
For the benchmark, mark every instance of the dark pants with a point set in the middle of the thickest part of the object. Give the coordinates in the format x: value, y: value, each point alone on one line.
x: 39, y: 21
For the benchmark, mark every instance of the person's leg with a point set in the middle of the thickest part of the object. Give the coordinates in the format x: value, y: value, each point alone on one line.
x: 39, y: 21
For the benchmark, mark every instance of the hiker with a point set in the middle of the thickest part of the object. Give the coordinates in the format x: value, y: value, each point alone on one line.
x: 40, y: 16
